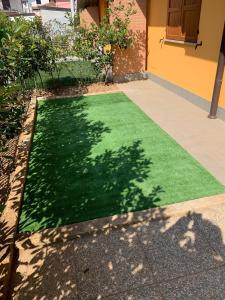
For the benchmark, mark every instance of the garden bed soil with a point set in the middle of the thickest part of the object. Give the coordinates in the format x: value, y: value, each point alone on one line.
x: 10, y: 214
x: 99, y: 87
x: 8, y: 166
x: 7, y: 160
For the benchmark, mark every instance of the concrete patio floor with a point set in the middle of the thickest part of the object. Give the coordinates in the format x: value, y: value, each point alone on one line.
x: 177, y: 256
x: 188, y: 124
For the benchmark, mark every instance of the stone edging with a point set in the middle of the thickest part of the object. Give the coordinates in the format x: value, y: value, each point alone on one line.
x: 10, y: 216
x: 46, y: 237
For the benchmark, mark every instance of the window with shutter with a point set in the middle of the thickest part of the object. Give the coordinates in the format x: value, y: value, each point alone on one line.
x: 183, y: 20
x: 174, y: 19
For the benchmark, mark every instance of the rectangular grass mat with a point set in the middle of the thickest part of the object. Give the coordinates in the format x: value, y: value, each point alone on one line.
x: 101, y: 155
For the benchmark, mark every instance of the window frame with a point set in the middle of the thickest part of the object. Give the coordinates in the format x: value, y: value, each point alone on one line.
x: 182, y: 35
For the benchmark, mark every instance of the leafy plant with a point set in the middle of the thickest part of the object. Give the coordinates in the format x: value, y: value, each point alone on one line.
x: 11, y: 110
x: 26, y: 48
x: 98, y: 43
x: 74, y: 20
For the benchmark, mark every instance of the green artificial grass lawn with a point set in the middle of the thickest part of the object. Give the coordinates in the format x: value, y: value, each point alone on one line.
x: 99, y: 156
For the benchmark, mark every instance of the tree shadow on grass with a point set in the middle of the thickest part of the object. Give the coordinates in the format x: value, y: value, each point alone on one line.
x: 67, y: 184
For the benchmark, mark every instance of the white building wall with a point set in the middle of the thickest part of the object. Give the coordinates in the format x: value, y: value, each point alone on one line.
x: 27, y: 8
x: 49, y: 15
x: 16, y: 5
x: 34, y: 3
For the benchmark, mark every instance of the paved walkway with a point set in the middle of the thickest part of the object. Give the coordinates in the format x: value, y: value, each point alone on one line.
x: 177, y: 257
x: 185, y: 122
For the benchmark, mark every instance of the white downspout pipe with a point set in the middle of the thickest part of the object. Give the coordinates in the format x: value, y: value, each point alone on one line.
x: 72, y: 8
x: 75, y: 7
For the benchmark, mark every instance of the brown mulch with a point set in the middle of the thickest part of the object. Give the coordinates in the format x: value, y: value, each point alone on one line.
x: 8, y: 167
x: 71, y: 90
x: 7, y: 160
x: 101, y: 87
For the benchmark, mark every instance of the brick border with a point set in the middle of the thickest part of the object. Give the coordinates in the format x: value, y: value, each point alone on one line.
x: 66, y: 233
x: 10, y: 216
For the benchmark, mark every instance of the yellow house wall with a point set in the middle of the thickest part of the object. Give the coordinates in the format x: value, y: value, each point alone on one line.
x: 191, y: 69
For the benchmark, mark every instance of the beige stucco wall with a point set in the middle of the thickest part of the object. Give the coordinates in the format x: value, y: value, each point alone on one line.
x: 191, y: 69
